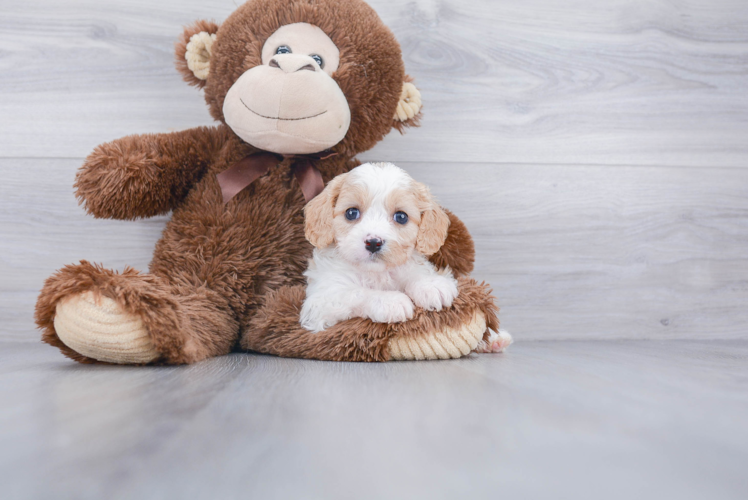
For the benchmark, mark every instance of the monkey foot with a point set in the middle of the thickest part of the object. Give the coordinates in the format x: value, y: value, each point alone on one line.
x: 450, y: 333
x: 98, y: 328
x: 444, y: 344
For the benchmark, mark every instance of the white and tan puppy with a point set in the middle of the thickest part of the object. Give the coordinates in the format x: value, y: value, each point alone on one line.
x: 373, y: 230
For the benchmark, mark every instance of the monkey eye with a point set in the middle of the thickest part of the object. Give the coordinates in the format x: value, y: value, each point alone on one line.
x: 283, y: 49
x: 319, y: 60
x: 352, y: 213
x: 401, y: 218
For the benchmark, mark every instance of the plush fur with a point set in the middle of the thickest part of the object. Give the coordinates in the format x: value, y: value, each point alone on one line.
x: 275, y: 329
x: 371, y: 71
x: 220, y: 270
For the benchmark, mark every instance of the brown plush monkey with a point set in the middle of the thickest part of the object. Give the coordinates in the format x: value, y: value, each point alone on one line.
x: 299, y: 87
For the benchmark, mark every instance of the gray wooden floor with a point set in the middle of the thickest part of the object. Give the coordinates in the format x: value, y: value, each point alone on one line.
x: 598, y: 152
x: 549, y: 419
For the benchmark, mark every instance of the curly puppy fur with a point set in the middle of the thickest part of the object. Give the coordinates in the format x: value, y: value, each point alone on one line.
x: 216, y: 264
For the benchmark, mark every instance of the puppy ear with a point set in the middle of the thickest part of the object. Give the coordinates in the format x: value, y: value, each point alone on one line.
x: 408, y: 111
x: 432, y: 233
x: 319, y: 213
x: 193, y: 51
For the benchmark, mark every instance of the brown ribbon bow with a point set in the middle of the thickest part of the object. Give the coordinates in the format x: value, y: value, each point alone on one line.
x: 250, y: 168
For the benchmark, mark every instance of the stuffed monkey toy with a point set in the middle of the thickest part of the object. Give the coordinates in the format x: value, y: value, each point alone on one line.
x: 298, y: 88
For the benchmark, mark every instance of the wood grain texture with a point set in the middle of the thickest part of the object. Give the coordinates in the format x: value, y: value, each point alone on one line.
x: 42, y: 228
x: 585, y: 420
x: 561, y: 134
x: 597, y: 152
x: 643, y: 82
x: 629, y: 82
x: 595, y: 252
x: 573, y: 252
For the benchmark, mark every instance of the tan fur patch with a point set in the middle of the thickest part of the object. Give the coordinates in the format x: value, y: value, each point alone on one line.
x: 402, y: 200
x: 434, y: 225
x: 319, y: 214
x: 351, y: 196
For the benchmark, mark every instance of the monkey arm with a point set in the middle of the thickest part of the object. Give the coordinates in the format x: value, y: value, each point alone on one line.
x: 145, y: 175
x: 458, y: 251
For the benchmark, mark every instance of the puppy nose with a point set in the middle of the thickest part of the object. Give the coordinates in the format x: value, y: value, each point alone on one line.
x: 291, y: 63
x: 374, y: 245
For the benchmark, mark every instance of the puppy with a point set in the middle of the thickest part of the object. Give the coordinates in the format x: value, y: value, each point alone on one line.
x: 373, y: 229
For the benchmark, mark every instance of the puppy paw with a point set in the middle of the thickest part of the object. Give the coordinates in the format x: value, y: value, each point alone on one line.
x: 389, y: 307
x: 433, y: 294
x: 497, y: 342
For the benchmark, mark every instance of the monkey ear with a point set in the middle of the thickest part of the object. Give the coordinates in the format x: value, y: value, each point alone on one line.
x: 319, y: 214
x: 432, y: 232
x: 408, y: 112
x: 193, y: 50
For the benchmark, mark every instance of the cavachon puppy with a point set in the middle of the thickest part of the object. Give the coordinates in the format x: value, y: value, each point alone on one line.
x: 373, y: 230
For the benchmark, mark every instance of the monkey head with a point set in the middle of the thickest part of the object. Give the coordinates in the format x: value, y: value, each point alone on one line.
x: 301, y: 76
x: 290, y: 103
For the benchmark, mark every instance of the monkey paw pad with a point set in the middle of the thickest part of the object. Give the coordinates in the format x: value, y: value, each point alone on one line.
x: 497, y: 342
x: 446, y: 344
x: 98, y: 328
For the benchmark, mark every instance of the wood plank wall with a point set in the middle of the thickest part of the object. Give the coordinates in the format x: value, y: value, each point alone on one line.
x: 597, y: 150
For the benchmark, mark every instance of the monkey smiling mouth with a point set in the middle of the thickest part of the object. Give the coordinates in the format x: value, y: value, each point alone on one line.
x: 278, y: 117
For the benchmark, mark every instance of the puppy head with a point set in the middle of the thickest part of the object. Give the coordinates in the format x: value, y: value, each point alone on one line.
x: 376, y: 215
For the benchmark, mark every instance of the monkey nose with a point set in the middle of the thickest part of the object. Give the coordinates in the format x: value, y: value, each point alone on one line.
x: 290, y: 63
x: 373, y: 245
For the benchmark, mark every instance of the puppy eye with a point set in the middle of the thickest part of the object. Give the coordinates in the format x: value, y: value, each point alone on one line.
x: 319, y: 60
x: 401, y: 218
x: 352, y: 214
x: 283, y: 49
